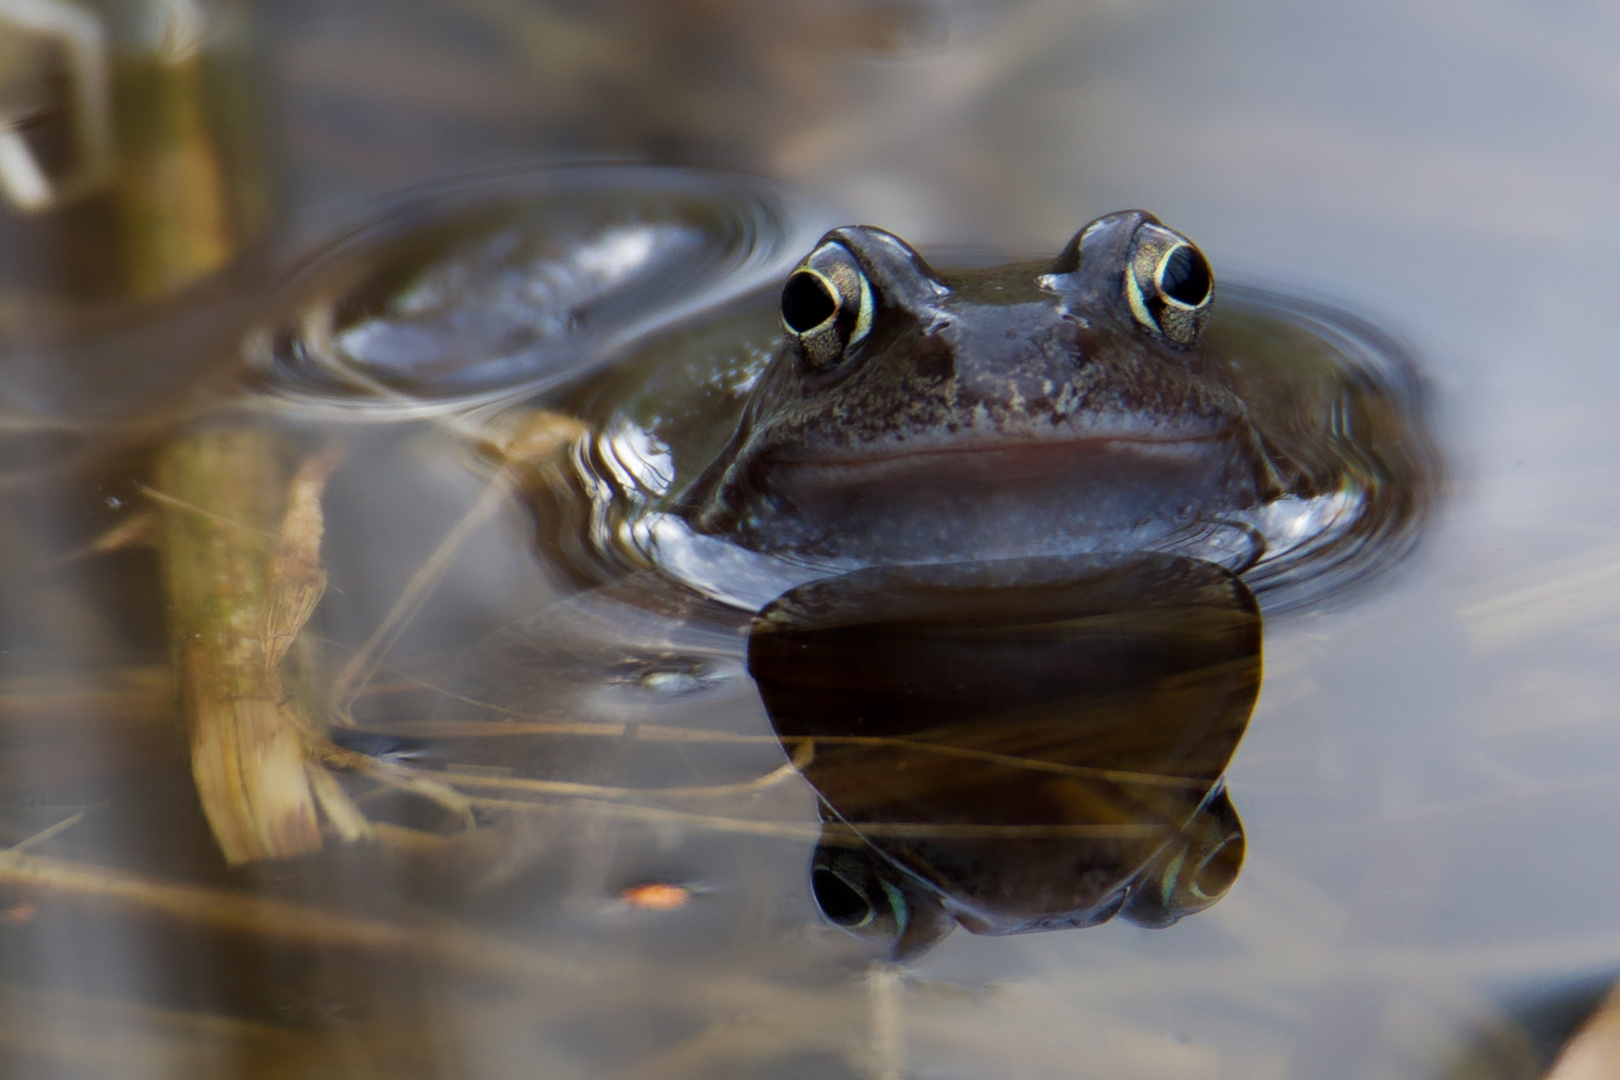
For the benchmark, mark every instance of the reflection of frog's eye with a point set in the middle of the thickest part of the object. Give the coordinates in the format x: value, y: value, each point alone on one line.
x: 859, y: 891
x: 844, y: 902
x: 827, y: 307
x: 852, y: 896
x: 1196, y: 871
x: 1169, y: 285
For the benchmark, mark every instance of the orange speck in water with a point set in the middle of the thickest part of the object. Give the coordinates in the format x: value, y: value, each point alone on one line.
x: 656, y: 896
x: 19, y: 913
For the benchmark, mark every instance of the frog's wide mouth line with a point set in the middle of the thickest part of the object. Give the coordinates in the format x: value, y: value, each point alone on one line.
x: 990, y: 460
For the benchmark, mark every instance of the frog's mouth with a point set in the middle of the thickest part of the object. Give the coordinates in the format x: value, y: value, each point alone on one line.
x: 1007, y: 461
x: 984, y: 495
x: 993, y: 499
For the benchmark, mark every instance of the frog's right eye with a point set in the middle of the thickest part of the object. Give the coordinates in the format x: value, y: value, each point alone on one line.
x: 827, y: 307
x: 853, y: 897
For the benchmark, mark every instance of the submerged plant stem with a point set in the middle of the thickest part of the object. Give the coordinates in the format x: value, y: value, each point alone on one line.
x: 277, y: 920
x: 888, y: 1031
x: 536, y: 444
x: 1594, y: 1052
x: 240, y: 546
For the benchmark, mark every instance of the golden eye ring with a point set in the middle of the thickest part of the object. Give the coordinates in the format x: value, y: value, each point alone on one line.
x: 827, y: 308
x: 1169, y: 285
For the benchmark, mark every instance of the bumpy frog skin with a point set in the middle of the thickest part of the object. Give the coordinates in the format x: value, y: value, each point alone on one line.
x: 1028, y: 409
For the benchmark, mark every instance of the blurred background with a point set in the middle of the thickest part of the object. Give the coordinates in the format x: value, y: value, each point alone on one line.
x: 1431, y: 783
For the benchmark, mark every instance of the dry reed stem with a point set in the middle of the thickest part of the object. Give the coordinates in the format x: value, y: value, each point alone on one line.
x: 830, y: 832
x: 223, y: 491
x: 46, y: 834
x: 537, y: 442
x: 279, y: 920
x: 296, y: 580
x: 240, y: 547
x: 46, y: 705
x: 888, y: 1022
x: 345, y: 817
x: 136, y: 530
x: 1594, y: 1051
x: 514, y: 785
x: 108, y: 1037
x: 658, y: 733
x: 794, y: 831
x: 363, y: 663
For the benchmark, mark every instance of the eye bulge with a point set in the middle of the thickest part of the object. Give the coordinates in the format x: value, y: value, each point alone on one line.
x: 827, y: 307
x: 1169, y: 284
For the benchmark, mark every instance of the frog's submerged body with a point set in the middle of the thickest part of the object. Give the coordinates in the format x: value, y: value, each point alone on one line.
x: 879, y: 411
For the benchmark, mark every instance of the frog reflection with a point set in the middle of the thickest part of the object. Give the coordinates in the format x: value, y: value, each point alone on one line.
x: 1040, y: 482
x: 1016, y: 746
x: 862, y: 891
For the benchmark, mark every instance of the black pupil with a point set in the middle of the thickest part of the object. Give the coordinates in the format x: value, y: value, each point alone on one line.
x: 1185, y: 277
x: 840, y: 903
x: 1220, y: 869
x: 806, y: 303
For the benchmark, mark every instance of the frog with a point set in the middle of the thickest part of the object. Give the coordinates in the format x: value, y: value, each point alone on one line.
x: 877, y: 410
x: 951, y: 438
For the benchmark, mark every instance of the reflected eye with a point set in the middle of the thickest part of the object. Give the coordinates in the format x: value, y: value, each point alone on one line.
x: 1169, y: 285
x: 1212, y: 876
x: 844, y: 903
x: 850, y: 892
x: 827, y: 308
x: 859, y: 892
x: 1194, y: 873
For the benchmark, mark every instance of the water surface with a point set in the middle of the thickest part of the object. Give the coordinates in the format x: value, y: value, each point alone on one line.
x: 1428, y: 782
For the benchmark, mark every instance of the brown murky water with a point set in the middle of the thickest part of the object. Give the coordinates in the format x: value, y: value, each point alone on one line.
x: 1426, y: 786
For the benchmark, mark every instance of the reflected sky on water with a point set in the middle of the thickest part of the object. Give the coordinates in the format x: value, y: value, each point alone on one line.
x: 1428, y: 784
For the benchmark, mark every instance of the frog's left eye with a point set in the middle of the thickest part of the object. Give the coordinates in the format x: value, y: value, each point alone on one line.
x: 858, y: 892
x: 1169, y: 284
x: 827, y: 307
x: 851, y: 894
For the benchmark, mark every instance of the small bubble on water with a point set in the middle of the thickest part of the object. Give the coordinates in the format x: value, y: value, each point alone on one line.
x: 667, y: 677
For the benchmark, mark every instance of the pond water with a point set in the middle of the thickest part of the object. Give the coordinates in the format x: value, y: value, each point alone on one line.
x: 1428, y: 784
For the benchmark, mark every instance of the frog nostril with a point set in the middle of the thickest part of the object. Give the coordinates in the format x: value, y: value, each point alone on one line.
x: 807, y: 302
